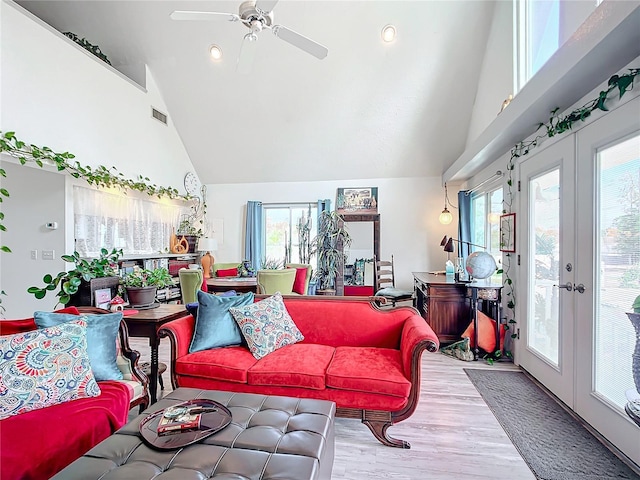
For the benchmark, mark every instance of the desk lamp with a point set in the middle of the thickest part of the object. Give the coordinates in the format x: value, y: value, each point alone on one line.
x: 206, y: 244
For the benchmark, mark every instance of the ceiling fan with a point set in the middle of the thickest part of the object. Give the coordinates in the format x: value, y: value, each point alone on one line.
x: 257, y: 15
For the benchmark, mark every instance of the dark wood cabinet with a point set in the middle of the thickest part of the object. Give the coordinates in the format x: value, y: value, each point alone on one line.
x: 443, y: 303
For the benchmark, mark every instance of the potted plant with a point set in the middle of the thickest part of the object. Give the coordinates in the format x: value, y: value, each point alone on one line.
x: 141, y: 285
x: 329, y: 245
x: 76, y: 286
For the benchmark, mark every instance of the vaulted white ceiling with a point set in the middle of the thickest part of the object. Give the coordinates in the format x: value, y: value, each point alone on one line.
x: 368, y: 110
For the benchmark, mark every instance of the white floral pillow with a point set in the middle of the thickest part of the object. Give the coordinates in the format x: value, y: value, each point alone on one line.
x: 266, y: 325
x: 45, y: 367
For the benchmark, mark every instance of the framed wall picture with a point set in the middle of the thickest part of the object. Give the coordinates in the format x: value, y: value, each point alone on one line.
x: 508, y: 232
x: 357, y: 200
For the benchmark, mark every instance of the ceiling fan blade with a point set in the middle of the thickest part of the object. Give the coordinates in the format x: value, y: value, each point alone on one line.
x: 247, y: 54
x: 206, y: 16
x: 265, y: 6
x: 300, y: 41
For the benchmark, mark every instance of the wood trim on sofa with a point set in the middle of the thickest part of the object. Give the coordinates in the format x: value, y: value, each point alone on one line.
x: 132, y: 355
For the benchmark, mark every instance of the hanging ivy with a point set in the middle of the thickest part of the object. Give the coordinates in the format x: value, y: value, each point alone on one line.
x: 99, y: 176
x: 88, y: 46
x: 556, y: 125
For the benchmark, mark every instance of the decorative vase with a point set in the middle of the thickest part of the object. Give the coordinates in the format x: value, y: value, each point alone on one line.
x: 141, y: 296
x: 635, y: 366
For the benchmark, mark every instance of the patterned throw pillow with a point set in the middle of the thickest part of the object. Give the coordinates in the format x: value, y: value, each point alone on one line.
x: 266, y: 325
x: 45, y: 367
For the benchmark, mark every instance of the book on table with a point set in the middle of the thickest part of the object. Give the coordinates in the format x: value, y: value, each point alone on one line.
x: 185, y: 422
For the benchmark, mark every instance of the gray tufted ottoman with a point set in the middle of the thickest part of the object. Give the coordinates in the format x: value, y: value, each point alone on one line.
x: 269, y: 437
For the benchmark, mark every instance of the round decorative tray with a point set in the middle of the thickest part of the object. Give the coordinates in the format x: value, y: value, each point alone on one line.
x: 215, y: 417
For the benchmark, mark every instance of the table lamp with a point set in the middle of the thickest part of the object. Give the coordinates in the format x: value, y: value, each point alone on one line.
x: 206, y: 244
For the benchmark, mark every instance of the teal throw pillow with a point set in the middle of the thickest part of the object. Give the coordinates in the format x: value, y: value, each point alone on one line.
x: 102, y: 333
x: 215, y: 327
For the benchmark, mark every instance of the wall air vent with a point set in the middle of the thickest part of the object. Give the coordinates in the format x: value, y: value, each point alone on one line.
x: 158, y: 115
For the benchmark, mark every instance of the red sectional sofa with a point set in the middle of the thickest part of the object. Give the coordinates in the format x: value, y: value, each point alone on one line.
x: 38, y: 444
x: 363, y: 358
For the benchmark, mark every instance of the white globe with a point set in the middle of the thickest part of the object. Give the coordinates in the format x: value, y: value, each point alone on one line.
x: 481, y: 265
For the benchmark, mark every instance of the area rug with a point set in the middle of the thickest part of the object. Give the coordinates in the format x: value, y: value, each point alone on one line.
x: 554, y: 445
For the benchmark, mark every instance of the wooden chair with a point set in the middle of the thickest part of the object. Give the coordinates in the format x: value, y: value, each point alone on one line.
x: 385, y: 283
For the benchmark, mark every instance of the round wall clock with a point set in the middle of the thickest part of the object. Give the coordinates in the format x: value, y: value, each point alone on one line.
x: 191, y: 183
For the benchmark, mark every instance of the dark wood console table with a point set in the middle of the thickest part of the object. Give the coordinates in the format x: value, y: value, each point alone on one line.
x: 443, y: 303
x: 449, y: 306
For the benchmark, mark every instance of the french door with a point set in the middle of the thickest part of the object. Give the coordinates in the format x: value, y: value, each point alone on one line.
x: 548, y: 195
x: 580, y: 244
x: 608, y: 263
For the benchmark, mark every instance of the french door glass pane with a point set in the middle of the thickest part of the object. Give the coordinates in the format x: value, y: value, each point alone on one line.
x: 618, y: 278
x: 544, y: 237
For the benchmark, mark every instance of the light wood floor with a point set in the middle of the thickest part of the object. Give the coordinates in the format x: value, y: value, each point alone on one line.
x: 453, y: 434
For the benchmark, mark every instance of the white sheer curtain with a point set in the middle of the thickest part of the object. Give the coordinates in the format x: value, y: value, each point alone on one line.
x: 111, y: 220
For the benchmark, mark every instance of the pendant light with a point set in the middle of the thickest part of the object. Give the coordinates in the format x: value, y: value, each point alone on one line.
x: 445, y: 217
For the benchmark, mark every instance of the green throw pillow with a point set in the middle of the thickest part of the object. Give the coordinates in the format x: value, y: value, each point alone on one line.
x: 102, y: 333
x: 215, y: 327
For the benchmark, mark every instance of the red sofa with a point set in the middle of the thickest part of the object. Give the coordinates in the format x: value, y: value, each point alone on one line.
x: 38, y: 444
x: 363, y: 358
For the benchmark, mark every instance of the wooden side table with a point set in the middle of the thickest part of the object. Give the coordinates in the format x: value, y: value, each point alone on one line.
x: 146, y: 324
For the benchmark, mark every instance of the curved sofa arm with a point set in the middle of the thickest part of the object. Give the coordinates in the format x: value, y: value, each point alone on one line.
x: 180, y: 332
x: 417, y: 336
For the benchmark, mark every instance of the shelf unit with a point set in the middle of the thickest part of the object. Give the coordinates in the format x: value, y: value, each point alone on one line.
x: 172, y: 262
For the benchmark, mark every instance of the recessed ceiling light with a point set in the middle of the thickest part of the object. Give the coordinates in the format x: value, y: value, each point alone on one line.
x: 216, y: 52
x: 389, y: 33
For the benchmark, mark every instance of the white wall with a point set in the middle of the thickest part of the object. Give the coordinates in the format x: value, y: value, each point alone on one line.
x: 37, y: 197
x: 409, y: 209
x: 55, y: 93
x: 496, y: 74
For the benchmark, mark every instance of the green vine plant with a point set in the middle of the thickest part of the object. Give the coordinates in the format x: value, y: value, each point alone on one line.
x: 556, y: 125
x: 99, y: 176
x: 84, y: 43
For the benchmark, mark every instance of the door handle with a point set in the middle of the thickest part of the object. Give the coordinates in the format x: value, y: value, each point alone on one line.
x: 568, y: 286
x: 580, y: 288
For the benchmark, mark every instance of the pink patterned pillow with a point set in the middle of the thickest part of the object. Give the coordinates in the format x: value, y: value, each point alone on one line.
x: 45, y: 367
x: 266, y: 325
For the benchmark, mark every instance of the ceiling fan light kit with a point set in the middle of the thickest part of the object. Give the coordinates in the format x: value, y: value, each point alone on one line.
x: 257, y: 16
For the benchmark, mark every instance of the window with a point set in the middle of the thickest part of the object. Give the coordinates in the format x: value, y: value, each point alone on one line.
x: 537, y: 35
x: 113, y: 220
x: 540, y: 28
x: 486, y: 209
x: 288, y: 231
